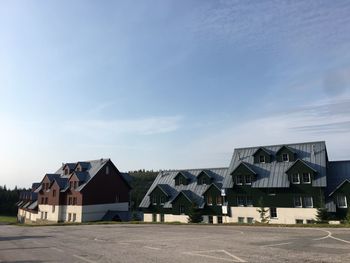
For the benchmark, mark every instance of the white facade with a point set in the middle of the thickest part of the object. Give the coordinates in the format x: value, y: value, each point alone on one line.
x: 284, y: 215
x: 76, y: 213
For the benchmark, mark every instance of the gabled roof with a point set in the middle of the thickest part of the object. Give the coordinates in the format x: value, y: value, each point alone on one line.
x: 247, y: 165
x: 340, y: 185
x: 167, y: 178
x: 206, y: 172
x: 52, y: 177
x: 62, y: 182
x: 216, y: 185
x: 272, y: 175
x: 183, y: 173
x: 338, y: 173
x: 304, y: 163
x: 71, y: 166
x: 35, y: 186
x: 166, y: 189
x: 189, y: 195
x: 262, y: 149
x: 287, y: 148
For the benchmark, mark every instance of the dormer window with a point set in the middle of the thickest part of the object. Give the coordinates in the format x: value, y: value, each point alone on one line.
x: 66, y: 171
x: 285, y: 157
x: 295, y: 178
x: 209, y: 200
x: 154, y: 200
x: 239, y: 179
x: 107, y: 170
x: 181, y: 181
x: 248, y: 179
x: 306, y: 178
x: 262, y: 158
x: 341, y: 201
x: 162, y: 200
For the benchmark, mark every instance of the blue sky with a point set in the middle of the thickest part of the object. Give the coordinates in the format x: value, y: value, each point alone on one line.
x: 168, y: 84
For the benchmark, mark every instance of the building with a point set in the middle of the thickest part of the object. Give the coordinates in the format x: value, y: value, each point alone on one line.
x: 291, y: 181
x: 79, y: 192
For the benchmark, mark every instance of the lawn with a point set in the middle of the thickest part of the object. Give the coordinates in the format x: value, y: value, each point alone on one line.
x: 8, y: 219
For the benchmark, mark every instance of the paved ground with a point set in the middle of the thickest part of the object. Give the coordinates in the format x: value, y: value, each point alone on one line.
x: 172, y: 243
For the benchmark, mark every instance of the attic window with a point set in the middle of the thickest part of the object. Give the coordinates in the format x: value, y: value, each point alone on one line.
x: 107, y: 170
x: 341, y: 201
x: 262, y: 158
x: 66, y: 171
x: 306, y: 178
x: 285, y: 157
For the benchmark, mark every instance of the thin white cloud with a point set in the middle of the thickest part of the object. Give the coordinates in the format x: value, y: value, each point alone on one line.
x: 143, y: 126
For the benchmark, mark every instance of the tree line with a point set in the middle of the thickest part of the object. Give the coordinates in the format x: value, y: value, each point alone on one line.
x: 8, y: 200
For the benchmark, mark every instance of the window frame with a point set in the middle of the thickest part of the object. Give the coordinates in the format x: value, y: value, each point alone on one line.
x: 241, y: 198
x: 300, y: 200
x: 182, y: 209
x: 241, y: 179
x: 304, y: 201
x: 309, y: 178
x: 246, y: 181
x: 264, y: 158
x: 219, y: 200
x: 154, y: 200
x: 273, y: 213
x: 298, y: 176
x: 250, y: 220
x: 209, y: 200
x: 285, y: 154
x: 240, y: 220
x: 345, y: 199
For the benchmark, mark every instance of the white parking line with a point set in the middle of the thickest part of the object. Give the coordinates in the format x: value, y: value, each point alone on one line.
x: 84, y: 259
x: 278, y: 244
x: 330, y: 236
x: 232, y: 258
x: 153, y: 248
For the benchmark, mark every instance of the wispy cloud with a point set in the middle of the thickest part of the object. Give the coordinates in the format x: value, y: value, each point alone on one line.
x: 143, y: 126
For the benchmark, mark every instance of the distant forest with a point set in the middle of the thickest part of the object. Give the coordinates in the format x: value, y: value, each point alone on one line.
x: 8, y: 200
x: 141, y: 180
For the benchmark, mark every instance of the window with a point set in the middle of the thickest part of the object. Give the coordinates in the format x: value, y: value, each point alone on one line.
x: 298, y: 201
x: 308, y: 202
x: 162, y: 200
x: 154, y: 217
x: 45, y: 215
x: 74, y: 200
x: 66, y: 171
x: 53, y: 209
x: 69, y: 217
x: 69, y: 200
x: 306, y: 178
x: 117, y: 198
x: 180, y: 180
x: 42, y: 200
x: 341, y: 201
x: 239, y: 179
x: 295, y: 179
x: 182, y: 209
x: 240, y: 200
x: 250, y: 220
x: 203, y: 180
x: 248, y: 179
x: 299, y: 221
x: 285, y: 157
x: 75, y: 184
x: 46, y: 200
x: 74, y: 217
x: 273, y: 212
x: 210, y: 219
x: 70, y: 185
x: 161, y: 217
x: 271, y: 192
x: 42, y: 215
x: 249, y: 201
x: 241, y: 220
x: 154, y: 200
x: 209, y: 200
x: 107, y: 170
x: 310, y: 221
x: 54, y: 193
x: 219, y: 219
x: 218, y: 200
x: 262, y: 158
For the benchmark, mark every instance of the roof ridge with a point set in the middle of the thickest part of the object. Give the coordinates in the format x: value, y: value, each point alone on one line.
x: 194, y: 169
x: 275, y: 145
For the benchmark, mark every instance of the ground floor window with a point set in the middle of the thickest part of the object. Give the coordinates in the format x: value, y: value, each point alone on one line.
x: 182, y: 209
x: 341, y: 201
x: 69, y: 217
x: 210, y: 219
x: 250, y: 220
x: 154, y: 217
x: 219, y: 219
x: 308, y: 202
x: 45, y: 215
x: 74, y: 217
x: 310, y: 221
x: 161, y: 217
x: 299, y: 221
x: 241, y: 220
x: 273, y: 212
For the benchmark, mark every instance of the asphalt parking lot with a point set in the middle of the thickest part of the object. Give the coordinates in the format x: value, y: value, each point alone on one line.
x: 172, y: 243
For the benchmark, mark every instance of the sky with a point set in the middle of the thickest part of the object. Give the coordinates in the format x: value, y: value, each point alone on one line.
x: 168, y: 84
